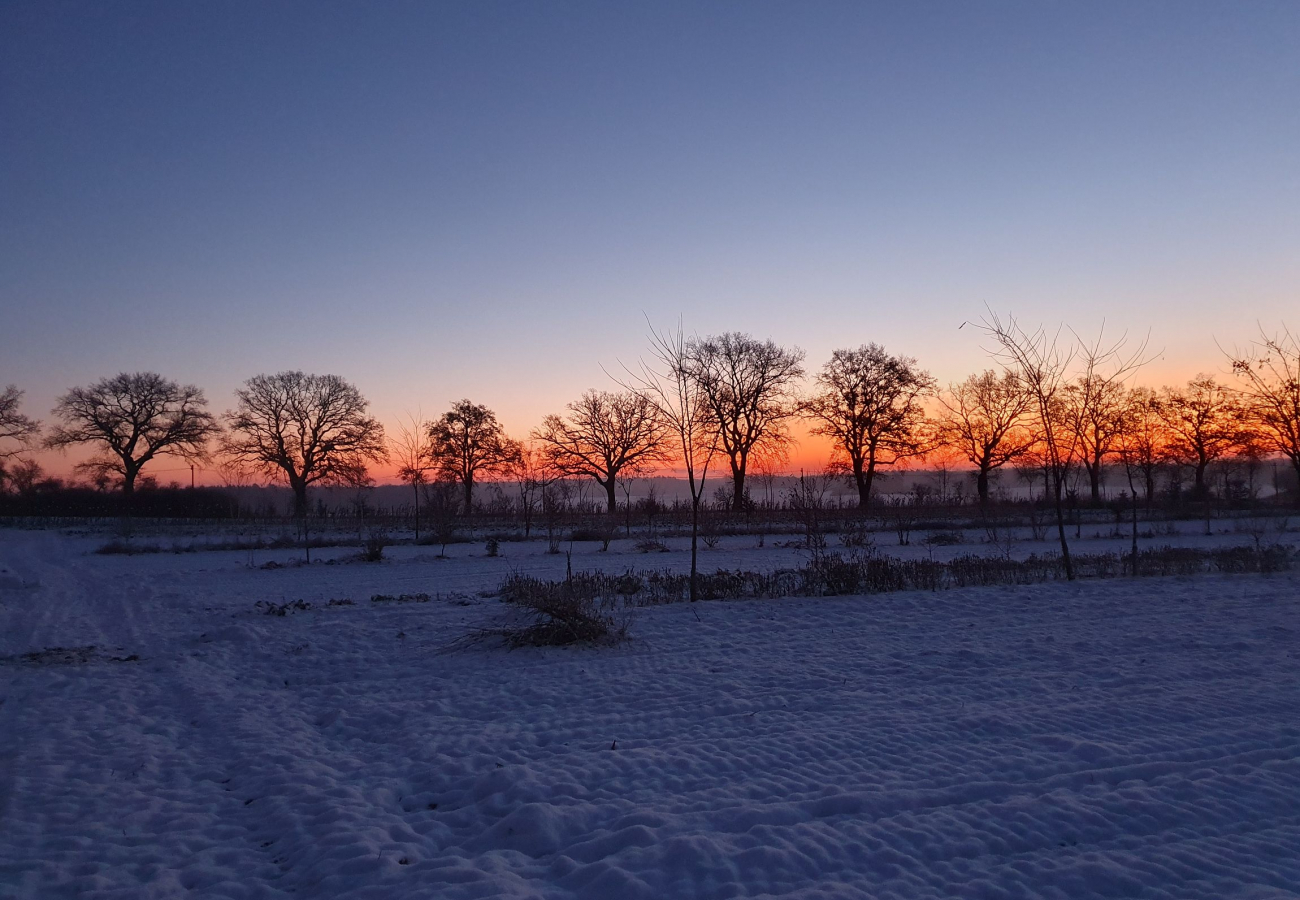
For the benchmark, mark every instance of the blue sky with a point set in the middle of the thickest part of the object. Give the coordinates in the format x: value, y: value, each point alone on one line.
x: 487, y: 199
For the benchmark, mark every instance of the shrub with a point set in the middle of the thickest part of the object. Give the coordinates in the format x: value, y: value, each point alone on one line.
x: 372, y: 549
x: 281, y: 610
x: 579, y: 610
x: 400, y: 598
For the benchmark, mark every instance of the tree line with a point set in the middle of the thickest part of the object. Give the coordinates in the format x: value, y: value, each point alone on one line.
x: 1051, y: 403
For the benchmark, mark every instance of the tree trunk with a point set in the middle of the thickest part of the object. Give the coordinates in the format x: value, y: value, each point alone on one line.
x: 1200, y: 488
x: 862, y: 476
x: 1094, y: 482
x: 738, y: 486
x: 610, y: 495
x: 416, y: 486
x: 982, y: 485
x: 1058, y: 484
x: 1135, y: 528
x: 469, y: 496
x: 695, y: 534
x: 299, y: 498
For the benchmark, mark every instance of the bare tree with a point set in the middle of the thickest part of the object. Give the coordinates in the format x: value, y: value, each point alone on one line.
x: 1142, y: 442
x: 533, y: 474
x: 670, y: 384
x: 604, y: 435
x: 869, y: 404
x: 1095, y: 407
x: 749, y: 388
x: 410, y: 450
x: 1041, y: 366
x: 985, y: 418
x: 14, y: 426
x: 468, y: 442
x: 303, y: 429
x: 132, y: 418
x: 1269, y: 373
x: 1203, y: 422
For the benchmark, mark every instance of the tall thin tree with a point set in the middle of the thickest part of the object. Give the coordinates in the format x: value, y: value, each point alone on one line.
x: 410, y: 449
x: 669, y: 382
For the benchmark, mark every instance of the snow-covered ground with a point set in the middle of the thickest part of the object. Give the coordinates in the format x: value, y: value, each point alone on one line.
x: 1096, y: 739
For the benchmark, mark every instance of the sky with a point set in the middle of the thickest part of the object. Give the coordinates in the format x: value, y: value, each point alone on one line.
x: 492, y: 200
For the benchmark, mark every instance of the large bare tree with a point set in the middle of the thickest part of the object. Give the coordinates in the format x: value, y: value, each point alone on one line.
x: 605, y: 435
x: 304, y: 429
x: 870, y: 404
x: 1269, y: 374
x: 749, y: 386
x: 14, y: 426
x: 466, y: 443
x: 130, y: 419
x: 986, y: 419
x: 1204, y: 422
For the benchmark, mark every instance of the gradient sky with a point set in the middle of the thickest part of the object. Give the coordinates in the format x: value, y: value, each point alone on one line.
x: 487, y: 199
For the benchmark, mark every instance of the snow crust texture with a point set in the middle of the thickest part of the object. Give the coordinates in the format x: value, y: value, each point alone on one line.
x: 1109, y: 739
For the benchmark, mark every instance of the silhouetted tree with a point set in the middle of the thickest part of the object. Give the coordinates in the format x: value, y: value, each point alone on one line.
x: 532, y: 473
x: 869, y: 404
x: 1142, y: 442
x: 304, y: 429
x: 1203, y: 423
x: 1094, y: 405
x: 604, y: 435
x: 1042, y: 367
x: 749, y: 387
x: 670, y: 384
x: 410, y: 450
x: 14, y: 426
x: 440, y: 503
x: 985, y: 418
x: 468, y: 442
x: 132, y: 418
x: 1270, y: 389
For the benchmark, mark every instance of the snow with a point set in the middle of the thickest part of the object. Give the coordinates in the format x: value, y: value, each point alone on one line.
x: 1096, y: 739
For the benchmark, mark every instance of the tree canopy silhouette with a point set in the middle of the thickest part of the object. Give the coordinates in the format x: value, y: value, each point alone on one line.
x: 749, y: 388
x: 1270, y: 386
x: 303, y: 429
x: 869, y: 403
x: 604, y: 435
x: 14, y: 426
x: 985, y: 418
x: 132, y: 418
x: 467, y: 442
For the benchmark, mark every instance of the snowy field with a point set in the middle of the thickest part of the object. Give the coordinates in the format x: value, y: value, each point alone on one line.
x: 1097, y: 739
